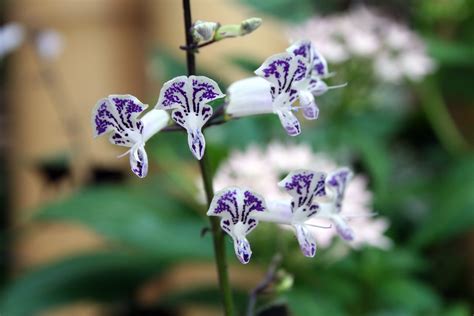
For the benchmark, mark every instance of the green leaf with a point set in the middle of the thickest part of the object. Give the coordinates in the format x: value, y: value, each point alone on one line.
x: 412, y: 295
x: 201, y: 295
x: 123, y: 217
x: 452, y: 204
x: 306, y: 301
x: 245, y: 63
x: 288, y: 10
x: 451, y: 53
x: 100, y: 276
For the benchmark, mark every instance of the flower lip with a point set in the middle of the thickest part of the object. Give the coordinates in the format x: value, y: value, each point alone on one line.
x: 188, y: 98
x: 237, y: 208
x: 117, y: 115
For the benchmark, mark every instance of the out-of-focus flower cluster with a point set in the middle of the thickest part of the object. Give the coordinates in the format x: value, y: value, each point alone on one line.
x: 48, y: 42
x: 261, y: 169
x: 396, y: 51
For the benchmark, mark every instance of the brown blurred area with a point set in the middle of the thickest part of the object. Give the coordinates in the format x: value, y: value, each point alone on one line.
x: 107, y: 44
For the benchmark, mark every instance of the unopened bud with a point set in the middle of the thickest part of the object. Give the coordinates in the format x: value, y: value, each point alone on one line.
x: 203, y: 31
x: 249, y: 25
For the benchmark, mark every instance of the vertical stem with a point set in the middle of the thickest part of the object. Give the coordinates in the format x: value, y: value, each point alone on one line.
x: 217, y: 234
x: 440, y: 119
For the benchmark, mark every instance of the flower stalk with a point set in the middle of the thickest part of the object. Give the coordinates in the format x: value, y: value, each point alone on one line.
x: 217, y: 234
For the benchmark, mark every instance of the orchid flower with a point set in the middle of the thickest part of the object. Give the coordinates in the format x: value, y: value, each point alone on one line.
x: 237, y: 208
x: 118, y: 115
x: 335, y: 186
x: 284, y: 71
x: 188, y: 97
x: 304, y: 186
x: 313, y: 85
x: 295, y: 74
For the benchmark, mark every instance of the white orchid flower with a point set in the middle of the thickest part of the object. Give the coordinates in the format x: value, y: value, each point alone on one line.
x: 188, y: 98
x: 238, y: 208
x: 118, y: 115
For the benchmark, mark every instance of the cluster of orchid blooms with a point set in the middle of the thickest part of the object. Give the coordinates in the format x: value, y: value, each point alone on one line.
x: 282, y: 79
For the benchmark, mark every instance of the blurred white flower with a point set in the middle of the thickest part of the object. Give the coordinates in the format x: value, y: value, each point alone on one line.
x: 396, y: 52
x: 12, y: 36
x: 261, y: 169
x: 49, y: 44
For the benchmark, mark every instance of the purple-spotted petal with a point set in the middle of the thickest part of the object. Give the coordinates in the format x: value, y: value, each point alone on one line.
x: 304, y: 186
x: 139, y: 161
x: 118, y: 113
x: 306, y: 49
x: 188, y: 93
x: 283, y: 71
x: 320, y: 65
x: 336, y: 183
x: 309, y: 107
x: 289, y: 122
x: 197, y: 143
x: 303, y: 48
x: 188, y: 97
x: 242, y: 250
x: 306, y: 240
x: 237, y: 208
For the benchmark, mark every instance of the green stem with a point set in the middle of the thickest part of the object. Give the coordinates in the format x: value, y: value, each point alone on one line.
x: 219, y: 244
x: 440, y: 118
x: 217, y: 234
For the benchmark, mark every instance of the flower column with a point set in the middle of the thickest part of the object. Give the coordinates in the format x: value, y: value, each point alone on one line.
x: 217, y: 234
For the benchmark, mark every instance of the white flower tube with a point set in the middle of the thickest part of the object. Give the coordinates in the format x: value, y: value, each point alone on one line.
x: 249, y: 96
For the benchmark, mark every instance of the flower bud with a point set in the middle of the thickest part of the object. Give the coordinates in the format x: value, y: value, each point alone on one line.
x: 249, y: 25
x: 203, y: 31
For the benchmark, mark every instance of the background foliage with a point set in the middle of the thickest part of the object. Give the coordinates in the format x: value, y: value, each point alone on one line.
x: 421, y: 183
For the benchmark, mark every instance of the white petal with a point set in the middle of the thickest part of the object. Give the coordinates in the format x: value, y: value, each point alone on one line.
x: 249, y: 96
x: 117, y: 114
x: 310, y: 110
x: 306, y: 240
x: 237, y: 208
x: 139, y: 161
x: 279, y: 211
x: 154, y: 121
x: 289, y: 122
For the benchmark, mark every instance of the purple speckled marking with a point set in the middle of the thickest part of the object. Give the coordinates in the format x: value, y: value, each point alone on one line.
x: 302, y: 50
x: 290, y: 123
x: 175, y: 95
x: 139, y: 166
x: 203, y: 92
x: 282, y: 71
x: 235, y: 207
x: 303, y: 187
x: 320, y: 68
x: 310, y: 112
x: 196, y: 142
x: 242, y: 250
x: 127, y: 110
x: 227, y: 202
x: 306, y: 241
x: 120, y: 116
x: 188, y: 97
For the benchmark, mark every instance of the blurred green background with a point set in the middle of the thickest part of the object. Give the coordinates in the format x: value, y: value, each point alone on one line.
x: 413, y: 140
